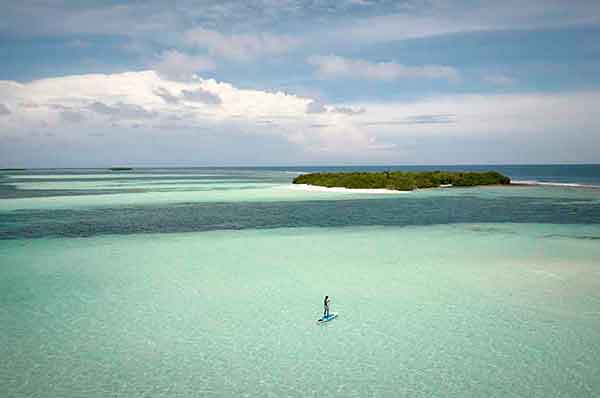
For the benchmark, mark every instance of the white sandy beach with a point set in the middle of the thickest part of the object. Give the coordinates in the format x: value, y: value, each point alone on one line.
x: 315, y: 188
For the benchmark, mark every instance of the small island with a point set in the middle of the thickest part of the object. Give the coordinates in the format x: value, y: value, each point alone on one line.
x: 402, y: 181
x: 121, y: 169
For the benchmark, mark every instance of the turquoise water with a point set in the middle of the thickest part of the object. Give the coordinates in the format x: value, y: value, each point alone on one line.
x: 215, y: 292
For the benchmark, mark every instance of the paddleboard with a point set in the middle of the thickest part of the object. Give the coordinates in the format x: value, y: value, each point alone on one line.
x: 331, y: 317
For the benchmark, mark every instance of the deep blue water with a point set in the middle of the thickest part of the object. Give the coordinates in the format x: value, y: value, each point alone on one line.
x: 213, y: 216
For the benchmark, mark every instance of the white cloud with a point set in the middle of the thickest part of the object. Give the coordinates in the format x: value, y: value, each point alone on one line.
x: 120, y: 110
x: 176, y: 65
x: 166, y: 95
x: 197, y: 95
x: 428, y: 19
x: 201, y: 95
x: 347, y: 110
x: 418, y: 18
x: 336, y: 67
x: 315, y: 107
x: 72, y: 116
x: 4, y: 110
x: 32, y: 105
x: 125, y: 107
x: 318, y: 107
x: 522, y: 115
x: 360, y: 2
x: 492, y: 128
x: 148, y: 101
x: 240, y: 47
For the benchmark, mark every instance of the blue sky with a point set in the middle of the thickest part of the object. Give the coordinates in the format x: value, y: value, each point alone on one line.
x: 298, y: 82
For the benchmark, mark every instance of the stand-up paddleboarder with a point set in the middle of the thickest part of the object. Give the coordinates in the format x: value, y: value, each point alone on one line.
x: 326, y: 304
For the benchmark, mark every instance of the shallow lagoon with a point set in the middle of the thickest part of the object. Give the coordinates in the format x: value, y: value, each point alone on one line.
x: 436, y: 296
x: 461, y: 310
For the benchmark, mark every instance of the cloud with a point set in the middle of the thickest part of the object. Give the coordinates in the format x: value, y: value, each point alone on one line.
x: 389, y: 20
x: 202, y: 96
x: 30, y: 105
x: 336, y: 67
x: 199, y: 95
x: 121, y: 110
x: 499, y: 80
x: 506, y: 117
x: 434, y: 18
x: 4, y: 110
x: 72, y: 116
x: 315, y: 107
x: 500, y: 128
x: 373, y: 144
x: 416, y: 119
x: 137, y: 102
x: 175, y: 65
x: 240, y: 47
x: 58, y: 107
x: 166, y: 95
x: 348, y: 111
x: 318, y: 107
x: 361, y: 2
x: 430, y: 119
x: 450, y: 128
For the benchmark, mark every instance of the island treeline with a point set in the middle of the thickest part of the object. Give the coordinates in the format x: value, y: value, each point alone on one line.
x: 402, y: 181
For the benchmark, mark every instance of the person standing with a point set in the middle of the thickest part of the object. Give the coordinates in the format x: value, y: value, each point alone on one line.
x: 326, y: 304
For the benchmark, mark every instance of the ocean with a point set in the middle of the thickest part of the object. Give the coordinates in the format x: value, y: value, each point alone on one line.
x: 207, y: 282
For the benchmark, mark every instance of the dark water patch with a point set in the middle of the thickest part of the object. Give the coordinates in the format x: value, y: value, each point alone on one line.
x: 145, y: 179
x: 260, y: 215
x: 44, y: 193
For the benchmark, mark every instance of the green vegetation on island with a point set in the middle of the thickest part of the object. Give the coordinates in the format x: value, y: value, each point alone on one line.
x: 402, y: 181
x: 121, y: 169
x: 13, y: 169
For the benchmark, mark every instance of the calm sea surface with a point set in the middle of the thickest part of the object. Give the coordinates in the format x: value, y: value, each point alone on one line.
x: 207, y: 282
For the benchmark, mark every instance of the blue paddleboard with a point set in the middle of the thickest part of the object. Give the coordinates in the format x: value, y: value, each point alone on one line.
x: 329, y: 318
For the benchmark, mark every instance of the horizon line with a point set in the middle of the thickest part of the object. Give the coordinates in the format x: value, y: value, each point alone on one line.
x: 298, y: 166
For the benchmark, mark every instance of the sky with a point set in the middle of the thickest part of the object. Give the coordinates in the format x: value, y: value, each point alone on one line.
x: 290, y: 82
